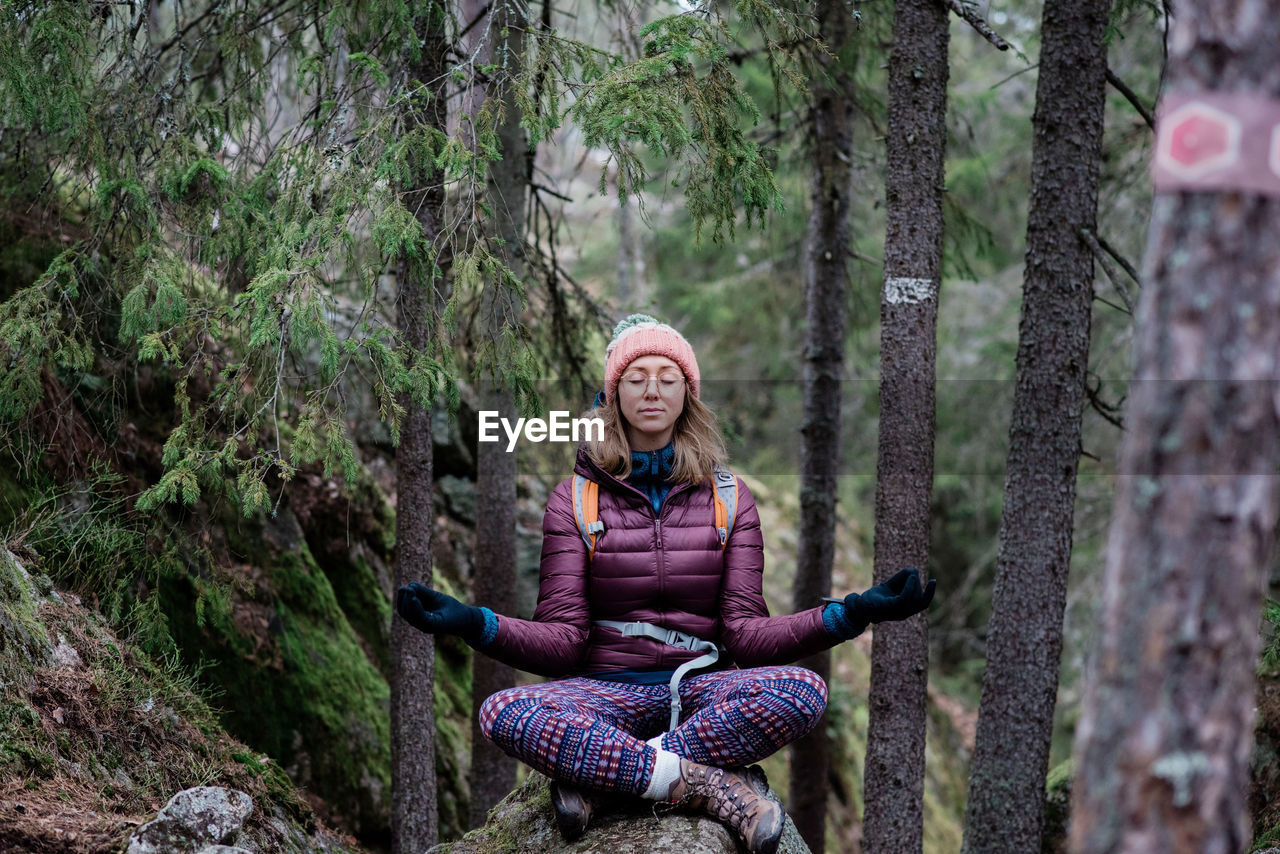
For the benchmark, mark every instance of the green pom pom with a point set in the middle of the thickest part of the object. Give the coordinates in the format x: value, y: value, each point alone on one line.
x: 632, y: 320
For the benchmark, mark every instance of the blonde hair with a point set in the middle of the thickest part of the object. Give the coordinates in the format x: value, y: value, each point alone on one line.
x: 698, y: 445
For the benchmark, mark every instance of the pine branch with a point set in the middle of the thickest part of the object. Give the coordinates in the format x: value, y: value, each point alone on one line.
x: 1107, y: 410
x: 970, y: 16
x: 542, y: 188
x: 866, y: 258
x: 737, y: 57
x: 1104, y: 261
x: 1121, y: 260
x: 1132, y: 98
x: 182, y: 33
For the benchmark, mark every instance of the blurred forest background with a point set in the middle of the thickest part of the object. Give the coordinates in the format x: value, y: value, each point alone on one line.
x: 207, y: 210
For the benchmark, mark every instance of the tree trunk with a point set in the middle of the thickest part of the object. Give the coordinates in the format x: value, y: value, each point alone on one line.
x: 1005, y: 809
x: 629, y: 295
x: 1165, y: 736
x: 826, y: 293
x: 493, y: 773
x: 414, y: 814
x: 894, y: 775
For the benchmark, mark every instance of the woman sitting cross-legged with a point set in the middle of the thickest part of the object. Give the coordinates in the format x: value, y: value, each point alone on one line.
x: 670, y: 676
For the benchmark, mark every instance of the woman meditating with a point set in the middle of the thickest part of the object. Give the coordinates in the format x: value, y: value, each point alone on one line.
x: 669, y: 674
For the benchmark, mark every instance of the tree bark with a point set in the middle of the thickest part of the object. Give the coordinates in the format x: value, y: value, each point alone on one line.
x: 414, y: 814
x: 826, y: 295
x: 493, y: 773
x: 1005, y: 810
x: 918, y: 71
x: 1164, y: 741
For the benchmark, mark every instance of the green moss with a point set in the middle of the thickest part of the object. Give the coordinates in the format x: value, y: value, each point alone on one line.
x: 1057, y: 808
x: 1267, y: 839
x: 270, y: 773
x: 305, y: 693
x: 352, y: 568
x: 20, y: 753
x: 507, y: 826
x: 360, y: 597
x: 22, y: 636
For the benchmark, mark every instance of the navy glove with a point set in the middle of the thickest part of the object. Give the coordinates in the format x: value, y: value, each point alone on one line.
x: 895, y: 599
x: 438, y: 613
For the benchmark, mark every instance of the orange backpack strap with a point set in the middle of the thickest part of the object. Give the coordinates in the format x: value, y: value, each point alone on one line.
x: 726, y: 501
x: 586, y: 510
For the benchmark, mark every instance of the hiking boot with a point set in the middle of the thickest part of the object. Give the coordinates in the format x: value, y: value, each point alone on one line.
x: 755, y: 776
x: 573, y: 809
x: 734, y: 799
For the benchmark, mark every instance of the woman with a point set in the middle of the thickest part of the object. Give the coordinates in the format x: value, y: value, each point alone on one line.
x: 622, y: 715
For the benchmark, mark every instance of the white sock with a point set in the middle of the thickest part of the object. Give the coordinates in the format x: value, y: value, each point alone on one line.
x: 665, y: 771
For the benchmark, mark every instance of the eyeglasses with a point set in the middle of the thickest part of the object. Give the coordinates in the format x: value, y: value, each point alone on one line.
x: 669, y: 382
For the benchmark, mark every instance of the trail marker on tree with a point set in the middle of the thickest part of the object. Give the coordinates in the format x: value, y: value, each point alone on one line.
x: 1216, y: 141
x: 1199, y: 140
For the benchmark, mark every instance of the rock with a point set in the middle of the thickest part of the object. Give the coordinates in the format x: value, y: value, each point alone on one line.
x: 196, y: 820
x: 523, y: 824
x: 65, y: 655
x: 24, y: 643
x: 459, y: 497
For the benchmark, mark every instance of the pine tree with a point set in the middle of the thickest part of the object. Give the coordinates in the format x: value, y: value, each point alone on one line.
x: 1024, y: 644
x: 826, y: 300
x: 894, y: 777
x: 1163, y: 746
x: 493, y: 773
x: 414, y: 814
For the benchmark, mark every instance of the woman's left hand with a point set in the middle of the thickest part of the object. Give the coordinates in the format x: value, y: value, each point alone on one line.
x: 896, y: 599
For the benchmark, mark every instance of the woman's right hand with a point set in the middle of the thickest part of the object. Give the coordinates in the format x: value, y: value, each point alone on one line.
x: 434, y: 612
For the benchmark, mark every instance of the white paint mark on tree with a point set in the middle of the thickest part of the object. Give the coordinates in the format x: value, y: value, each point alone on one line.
x: 900, y: 290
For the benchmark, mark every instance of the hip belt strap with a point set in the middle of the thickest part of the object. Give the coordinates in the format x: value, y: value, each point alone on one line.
x: 671, y: 637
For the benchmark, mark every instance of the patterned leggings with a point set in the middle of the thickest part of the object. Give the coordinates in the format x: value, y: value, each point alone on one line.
x: 592, y: 733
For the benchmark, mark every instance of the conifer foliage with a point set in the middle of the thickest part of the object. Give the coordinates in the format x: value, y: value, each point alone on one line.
x: 239, y: 203
x: 230, y: 170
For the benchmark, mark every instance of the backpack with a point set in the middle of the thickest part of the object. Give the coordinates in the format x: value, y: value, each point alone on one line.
x: 586, y: 507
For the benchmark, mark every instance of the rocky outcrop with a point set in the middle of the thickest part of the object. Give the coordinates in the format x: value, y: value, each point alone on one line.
x: 523, y: 824
x: 94, y: 733
x: 198, y: 820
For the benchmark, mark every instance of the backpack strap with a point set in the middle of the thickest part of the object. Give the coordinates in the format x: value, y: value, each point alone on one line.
x: 586, y: 507
x: 586, y: 510
x: 710, y: 654
x: 726, y: 501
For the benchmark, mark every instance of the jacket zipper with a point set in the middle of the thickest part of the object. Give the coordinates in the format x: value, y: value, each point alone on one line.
x: 662, y: 558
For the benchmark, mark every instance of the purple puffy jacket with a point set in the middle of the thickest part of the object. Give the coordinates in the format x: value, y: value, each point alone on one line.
x: 664, y: 568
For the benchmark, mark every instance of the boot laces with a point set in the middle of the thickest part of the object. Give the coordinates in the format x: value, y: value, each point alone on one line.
x: 732, y: 799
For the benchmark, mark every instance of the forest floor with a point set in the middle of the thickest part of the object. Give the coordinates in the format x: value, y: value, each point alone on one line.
x: 96, y: 737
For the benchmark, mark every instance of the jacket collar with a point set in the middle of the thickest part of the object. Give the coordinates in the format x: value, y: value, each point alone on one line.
x: 653, y: 465
x: 587, y: 467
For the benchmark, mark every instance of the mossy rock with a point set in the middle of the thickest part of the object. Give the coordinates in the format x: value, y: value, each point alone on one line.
x: 94, y: 733
x: 293, y: 676
x: 522, y: 823
x: 24, y: 645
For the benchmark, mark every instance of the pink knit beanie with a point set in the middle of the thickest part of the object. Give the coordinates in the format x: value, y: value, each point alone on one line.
x: 641, y: 335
